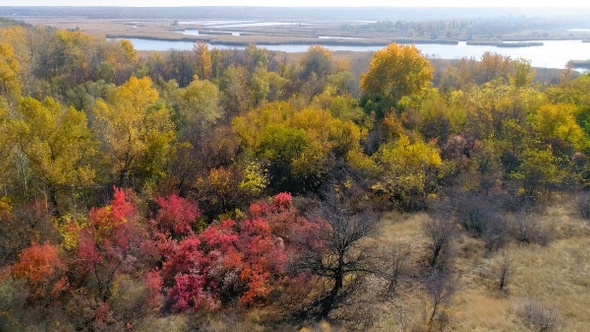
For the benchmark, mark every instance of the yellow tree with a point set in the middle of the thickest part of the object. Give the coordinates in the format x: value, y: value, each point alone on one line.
x: 9, y: 72
x: 558, y: 121
x: 298, y: 145
x: 136, y: 132
x: 204, y: 63
x: 316, y: 62
x: 409, y: 170
x: 20, y: 40
x: 57, y: 143
x: 396, y: 71
x: 6, y: 146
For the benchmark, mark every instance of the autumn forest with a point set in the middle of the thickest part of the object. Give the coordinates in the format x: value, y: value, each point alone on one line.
x: 248, y: 190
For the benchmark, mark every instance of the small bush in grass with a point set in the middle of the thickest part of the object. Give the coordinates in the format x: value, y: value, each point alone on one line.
x: 529, y: 229
x: 504, y: 273
x: 540, y: 318
x: 584, y: 205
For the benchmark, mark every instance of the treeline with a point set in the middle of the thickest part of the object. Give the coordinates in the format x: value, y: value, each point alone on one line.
x: 137, y: 192
x: 465, y: 29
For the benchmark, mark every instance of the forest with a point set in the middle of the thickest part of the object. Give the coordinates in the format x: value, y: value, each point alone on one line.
x: 244, y: 190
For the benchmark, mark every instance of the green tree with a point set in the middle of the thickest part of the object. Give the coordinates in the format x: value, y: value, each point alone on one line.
x: 198, y: 104
x: 538, y: 169
x: 299, y: 146
x: 316, y: 62
x: 234, y: 87
x: 523, y: 74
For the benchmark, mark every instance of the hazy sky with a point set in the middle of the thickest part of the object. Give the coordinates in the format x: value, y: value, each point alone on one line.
x: 297, y: 3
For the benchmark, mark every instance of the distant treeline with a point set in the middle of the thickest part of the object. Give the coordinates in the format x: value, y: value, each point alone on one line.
x: 300, y: 13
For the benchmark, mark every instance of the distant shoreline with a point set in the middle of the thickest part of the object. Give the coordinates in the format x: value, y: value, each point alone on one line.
x: 215, y: 39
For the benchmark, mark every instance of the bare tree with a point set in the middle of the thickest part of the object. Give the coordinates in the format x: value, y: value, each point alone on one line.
x: 440, y: 288
x: 336, y: 250
x: 395, y: 266
x: 504, y: 272
x: 440, y: 233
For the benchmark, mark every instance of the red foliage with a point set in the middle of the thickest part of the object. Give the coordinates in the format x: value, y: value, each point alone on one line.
x: 233, y: 261
x: 106, y: 220
x: 258, y: 209
x: 282, y: 201
x: 175, y: 216
x: 103, y: 317
x: 111, y: 243
x: 189, y: 292
x: 43, y: 270
x: 153, y: 288
x: 225, y: 263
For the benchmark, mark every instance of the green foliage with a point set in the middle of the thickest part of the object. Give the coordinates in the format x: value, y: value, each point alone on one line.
x: 316, y: 62
x: 198, y: 105
x: 296, y: 145
x: 538, y: 170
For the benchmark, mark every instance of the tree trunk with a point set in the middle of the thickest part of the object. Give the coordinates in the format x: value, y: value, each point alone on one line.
x: 338, y: 283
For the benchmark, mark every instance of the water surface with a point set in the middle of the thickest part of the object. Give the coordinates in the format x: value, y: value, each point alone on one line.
x: 553, y: 53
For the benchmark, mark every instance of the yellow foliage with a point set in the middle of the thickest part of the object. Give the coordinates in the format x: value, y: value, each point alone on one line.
x: 9, y: 72
x: 128, y: 51
x: 139, y: 135
x: 558, y: 121
x: 397, y: 71
x: 57, y: 142
x: 255, y: 179
x: 5, y: 206
x: 69, y: 229
x: 406, y: 169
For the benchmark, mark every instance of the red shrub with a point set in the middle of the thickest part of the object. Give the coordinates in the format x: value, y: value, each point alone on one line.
x: 175, y: 216
x: 43, y: 270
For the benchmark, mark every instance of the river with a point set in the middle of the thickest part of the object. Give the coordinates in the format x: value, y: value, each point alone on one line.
x: 553, y: 53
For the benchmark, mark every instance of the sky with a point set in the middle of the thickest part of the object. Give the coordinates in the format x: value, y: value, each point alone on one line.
x: 302, y: 3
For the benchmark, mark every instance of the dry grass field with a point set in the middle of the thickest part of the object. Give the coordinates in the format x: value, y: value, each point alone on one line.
x: 555, y: 278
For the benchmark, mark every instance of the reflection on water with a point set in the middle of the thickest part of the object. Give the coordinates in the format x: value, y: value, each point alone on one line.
x: 193, y: 32
x: 340, y: 37
x: 256, y: 24
x: 190, y: 32
x: 553, y: 53
x: 238, y: 24
x: 210, y: 23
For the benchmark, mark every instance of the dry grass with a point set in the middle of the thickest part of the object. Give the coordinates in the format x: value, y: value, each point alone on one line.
x: 163, y: 29
x: 554, y: 276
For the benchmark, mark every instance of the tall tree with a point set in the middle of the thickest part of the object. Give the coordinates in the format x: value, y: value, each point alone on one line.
x: 204, y: 65
x: 9, y: 72
x: 396, y: 71
x: 137, y: 133
x: 57, y: 144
